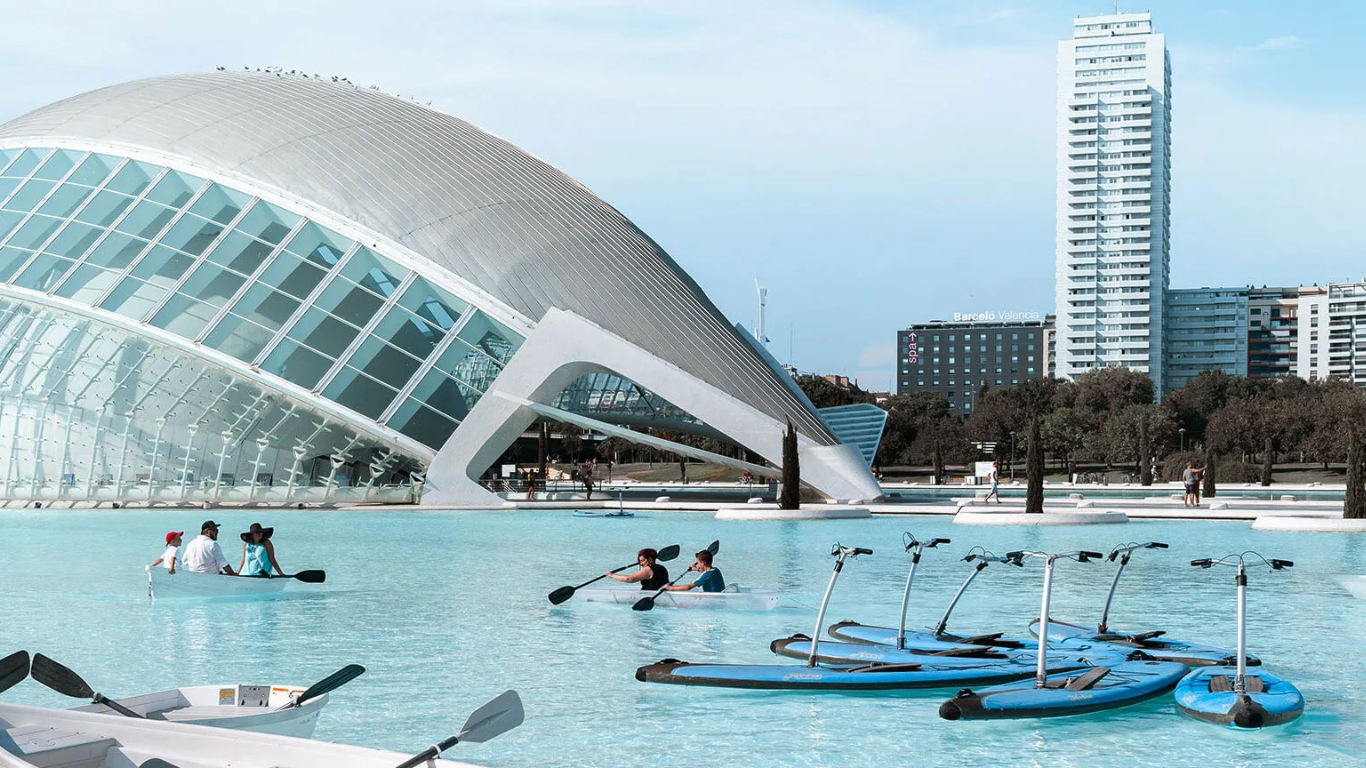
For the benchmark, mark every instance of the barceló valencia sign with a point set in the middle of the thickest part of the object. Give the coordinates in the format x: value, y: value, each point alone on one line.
x: 1000, y: 316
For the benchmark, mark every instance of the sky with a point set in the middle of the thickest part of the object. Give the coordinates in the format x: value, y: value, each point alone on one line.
x: 874, y: 163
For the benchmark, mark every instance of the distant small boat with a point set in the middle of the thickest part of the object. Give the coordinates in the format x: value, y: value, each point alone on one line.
x: 256, y: 708
x: 734, y: 597
x: 604, y: 513
x: 161, y: 583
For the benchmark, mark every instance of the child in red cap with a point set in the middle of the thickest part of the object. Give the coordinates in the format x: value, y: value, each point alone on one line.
x: 171, y: 556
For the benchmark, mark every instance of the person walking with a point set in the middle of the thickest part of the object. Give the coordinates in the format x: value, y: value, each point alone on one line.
x: 992, y: 476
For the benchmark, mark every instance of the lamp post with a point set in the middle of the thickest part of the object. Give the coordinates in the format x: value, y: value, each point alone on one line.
x: 1012, y: 457
x: 1183, y: 439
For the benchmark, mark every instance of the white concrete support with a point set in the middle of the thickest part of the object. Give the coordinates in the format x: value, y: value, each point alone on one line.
x: 565, y: 346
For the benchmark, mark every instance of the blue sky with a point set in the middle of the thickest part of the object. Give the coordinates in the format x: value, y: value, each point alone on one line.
x: 875, y: 163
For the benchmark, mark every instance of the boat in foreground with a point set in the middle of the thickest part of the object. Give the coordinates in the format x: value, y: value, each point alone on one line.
x: 1055, y: 695
x: 734, y: 597
x: 1227, y: 694
x: 164, y: 584
x: 257, y: 708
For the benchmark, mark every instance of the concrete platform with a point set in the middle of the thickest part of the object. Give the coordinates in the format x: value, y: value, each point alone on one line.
x: 1315, y: 524
x: 1017, y: 516
x: 807, y: 512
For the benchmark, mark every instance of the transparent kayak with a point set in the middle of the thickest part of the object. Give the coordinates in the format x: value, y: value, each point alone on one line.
x: 734, y: 598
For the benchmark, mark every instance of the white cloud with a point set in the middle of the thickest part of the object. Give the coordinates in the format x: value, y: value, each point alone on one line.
x: 1284, y: 43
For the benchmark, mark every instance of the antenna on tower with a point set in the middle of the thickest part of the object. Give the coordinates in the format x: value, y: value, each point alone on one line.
x: 763, y: 301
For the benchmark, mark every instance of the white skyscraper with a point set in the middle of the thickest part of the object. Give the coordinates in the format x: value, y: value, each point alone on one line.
x: 1114, y: 184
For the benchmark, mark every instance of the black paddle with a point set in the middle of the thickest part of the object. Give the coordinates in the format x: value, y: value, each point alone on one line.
x: 13, y: 670
x: 308, y: 577
x: 328, y: 684
x: 646, y: 603
x: 494, y: 718
x: 68, y: 683
x: 564, y: 593
x: 157, y: 762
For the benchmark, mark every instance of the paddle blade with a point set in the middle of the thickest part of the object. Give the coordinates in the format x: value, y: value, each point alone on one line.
x: 60, y: 679
x: 311, y: 577
x: 714, y: 547
x: 494, y: 718
x: 13, y: 670
x: 644, y: 604
x: 331, y: 683
x: 560, y: 595
x: 157, y: 762
x: 668, y: 553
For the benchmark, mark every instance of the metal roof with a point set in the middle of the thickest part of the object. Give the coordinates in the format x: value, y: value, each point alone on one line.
x: 505, y: 221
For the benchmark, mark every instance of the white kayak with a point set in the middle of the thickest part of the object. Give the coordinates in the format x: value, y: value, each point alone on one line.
x: 1354, y: 584
x: 734, y: 597
x: 46, y: 738
x: 257, y: 708
x: 164, y: 584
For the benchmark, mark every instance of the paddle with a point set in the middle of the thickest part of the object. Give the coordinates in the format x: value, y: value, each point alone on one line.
x: 13, y: 670
x: 646, y: 603
x: 494, y: 718
x: 157, y: 762
x: 308, y: 577
x: 328, y: 684
x: 564, y: 593
x: 68, y: 683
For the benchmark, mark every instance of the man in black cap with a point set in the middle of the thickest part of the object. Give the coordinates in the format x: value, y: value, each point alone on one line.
x: 204, y: 555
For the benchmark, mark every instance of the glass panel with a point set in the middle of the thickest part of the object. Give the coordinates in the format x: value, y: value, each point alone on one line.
x: 192, y: 235
x: 422, y: 424
x: 349, y: 302
x: 34, y: 232
x: 162, y: 266
x: 94, y: 170
x: 26, y: 162
x: 359, y: 393
x: 184, y: 316
x: 409, y: 333
x: 266, y: 307
x: 117, y: 251
x: 374, y: 272
x: 446, y: 395
x: 241, y: 253
x: 175, y: 189
x: 432, y: 304
x: 28, y: 195
x: 212, y: 284
x: 490, y: 336
x: 6, y: 155
x: 9, y: 220
x: 7, y: 186
x: 65, y: 200
x: 133, y: 298
x: 267, y: 222
x: 298, y: 364
x: 323, y: 332
x: 133, y: 178
x: 74, y: 240
x: 43, y: 273
x: 87, y: 283
x: 240, y: 338
x: 468, y: 365
x: 295, y: 277
x: 321, y: 246
x: 146, y: 220
x: 11, y: 259
x: 58, y: 164
x: 220, y: 204
x: 104, y: 208
x: 385, y: 363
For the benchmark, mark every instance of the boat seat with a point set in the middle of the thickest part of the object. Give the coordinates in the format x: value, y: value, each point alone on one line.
x: 1224, y: 684
x: 45, y: 747
x: 980, y: 652
x: 206, y: 712
x: 1082, y: 682
x: 875, y: 667
x: 975, y: 639
x: 732, y: 588
x: 1138, y: 639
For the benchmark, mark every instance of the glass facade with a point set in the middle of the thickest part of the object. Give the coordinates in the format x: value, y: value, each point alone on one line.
x: 251, y: 280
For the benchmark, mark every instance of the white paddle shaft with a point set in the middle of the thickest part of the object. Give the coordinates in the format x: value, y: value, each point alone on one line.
x: 1041, y: 674
x: 906, y: 598
x: 825, y: 601
x: 1240, y: 682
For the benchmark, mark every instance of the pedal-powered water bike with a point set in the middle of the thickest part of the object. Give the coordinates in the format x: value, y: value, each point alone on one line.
x: 812, y: 677
x: 1152, y: 643
x: 1054, y: 695
x: 1228, y: 695
x: 888, y: 646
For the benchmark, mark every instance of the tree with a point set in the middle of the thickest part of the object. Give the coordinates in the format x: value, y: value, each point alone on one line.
x: 1111, y: 389
x: 791, y: 495
x: 1034, y: 469
x: 1211, y: 468
x: 824, y: 393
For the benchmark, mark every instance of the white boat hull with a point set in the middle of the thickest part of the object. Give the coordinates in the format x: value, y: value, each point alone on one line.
x: 734, y: 598
x: 46, y: 738
x: 238, y: 707
x: 1354, y: 584
x: 164, y: 584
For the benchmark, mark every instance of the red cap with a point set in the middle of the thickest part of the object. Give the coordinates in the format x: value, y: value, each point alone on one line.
x: 172, y: 535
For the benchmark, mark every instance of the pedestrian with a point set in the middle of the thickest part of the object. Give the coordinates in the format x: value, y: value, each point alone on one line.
x: 992, y: 478
x: 1191, y: 477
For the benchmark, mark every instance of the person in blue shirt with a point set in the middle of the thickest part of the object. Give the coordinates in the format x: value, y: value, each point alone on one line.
x: 710, y: 579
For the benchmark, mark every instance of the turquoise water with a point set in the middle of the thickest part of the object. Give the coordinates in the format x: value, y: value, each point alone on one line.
x: 448, y: 609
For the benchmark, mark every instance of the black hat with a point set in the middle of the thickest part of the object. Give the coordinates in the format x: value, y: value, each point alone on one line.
x: 208, y: 524
x: 256, y: 528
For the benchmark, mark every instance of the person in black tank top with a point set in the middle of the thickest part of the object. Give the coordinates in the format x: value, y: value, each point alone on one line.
x: 651, y: 575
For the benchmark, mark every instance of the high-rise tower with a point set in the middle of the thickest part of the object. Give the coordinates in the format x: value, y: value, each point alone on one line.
x: 1114, y: 185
